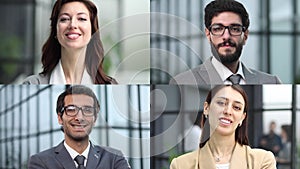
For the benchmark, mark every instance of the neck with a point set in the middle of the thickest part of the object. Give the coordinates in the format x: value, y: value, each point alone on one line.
x: 233, y: 67
x: 78, y: 146
x: 73, y: 64
x: 222, y: 148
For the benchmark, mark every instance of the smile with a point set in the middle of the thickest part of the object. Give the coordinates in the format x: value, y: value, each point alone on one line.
x: 73, y: 36
x: 225, y: 121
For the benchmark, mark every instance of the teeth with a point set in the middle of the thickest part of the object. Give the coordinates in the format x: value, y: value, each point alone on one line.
x: 73, y: 36
x: 225, y: 121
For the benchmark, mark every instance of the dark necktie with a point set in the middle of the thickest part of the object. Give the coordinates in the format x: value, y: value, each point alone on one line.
x: 235, y: 79
x: 80, y: 161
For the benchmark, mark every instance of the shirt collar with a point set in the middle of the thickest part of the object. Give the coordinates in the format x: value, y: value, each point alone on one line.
x: 224, y: 72
x: 58, y: 77
x: 73, y: 153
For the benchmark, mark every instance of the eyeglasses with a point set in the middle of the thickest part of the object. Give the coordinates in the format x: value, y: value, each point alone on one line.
x: 219, y: 29
x: 72, y: 110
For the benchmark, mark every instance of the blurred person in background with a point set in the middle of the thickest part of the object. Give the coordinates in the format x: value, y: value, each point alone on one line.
x: 284, y: 156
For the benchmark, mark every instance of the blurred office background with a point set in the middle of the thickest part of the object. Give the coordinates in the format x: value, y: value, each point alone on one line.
x: 28, y: 122
x: 124, y: 27
x: 175, y: 109
x: 178, y: 42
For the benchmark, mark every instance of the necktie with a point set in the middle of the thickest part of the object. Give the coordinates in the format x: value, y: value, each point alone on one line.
x: 80, y: 161
x: 235, y: 79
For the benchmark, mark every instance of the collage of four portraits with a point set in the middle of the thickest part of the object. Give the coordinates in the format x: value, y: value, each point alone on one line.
x: 149, y: 84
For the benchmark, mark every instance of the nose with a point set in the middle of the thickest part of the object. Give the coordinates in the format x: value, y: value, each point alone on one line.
x: 228, y: 110
x: 79, y: 115
x: 226, y: 34
x: 73, y: 24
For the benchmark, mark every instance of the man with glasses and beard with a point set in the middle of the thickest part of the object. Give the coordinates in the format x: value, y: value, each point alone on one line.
x: 77, y: 110
x: 226, y: 23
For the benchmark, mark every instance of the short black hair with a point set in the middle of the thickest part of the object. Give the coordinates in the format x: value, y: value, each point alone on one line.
x: 77, y: 89
x: 216, y: 7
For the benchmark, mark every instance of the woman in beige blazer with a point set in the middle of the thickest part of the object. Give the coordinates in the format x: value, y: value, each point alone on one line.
x: 224, y: 140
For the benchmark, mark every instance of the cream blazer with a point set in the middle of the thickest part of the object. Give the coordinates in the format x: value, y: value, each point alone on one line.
x: 243, y: 157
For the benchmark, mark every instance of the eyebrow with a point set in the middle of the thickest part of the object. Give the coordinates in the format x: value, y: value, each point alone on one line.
x: 79, y: 13
x: 225, y: 98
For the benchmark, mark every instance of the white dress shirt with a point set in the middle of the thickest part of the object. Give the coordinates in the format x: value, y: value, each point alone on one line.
x: 74, y: 153
x: 58, y: 77
x: 225, y: 73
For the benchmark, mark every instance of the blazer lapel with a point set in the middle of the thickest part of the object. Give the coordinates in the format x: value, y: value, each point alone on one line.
x: 64, y: 157
x: 210, y: 74
x: 251, y: 78
x: 239, y: 158
x: 94, y: 157
x: 206, y: 159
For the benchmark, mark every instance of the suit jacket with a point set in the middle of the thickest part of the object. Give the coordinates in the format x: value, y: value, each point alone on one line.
x: 243, y: 157
x: 45, y: 79
x: 206, y: 74
x: 59, y: 158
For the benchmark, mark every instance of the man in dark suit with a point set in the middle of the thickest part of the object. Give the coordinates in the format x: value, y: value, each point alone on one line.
x: 226, y: 23
x: 77, y: 109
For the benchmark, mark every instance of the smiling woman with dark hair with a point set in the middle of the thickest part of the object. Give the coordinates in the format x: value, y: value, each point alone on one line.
x: 224, y: 141
x: 73, y: 52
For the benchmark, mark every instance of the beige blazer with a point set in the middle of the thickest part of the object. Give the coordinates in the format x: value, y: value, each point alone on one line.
x: 243, y: 157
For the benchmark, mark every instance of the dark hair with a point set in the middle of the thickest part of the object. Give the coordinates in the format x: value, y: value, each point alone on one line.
x: 288, y: 130
x: 216, y: 7
x: 241, y: 135
x: 51, y: 51
x: 78, y: 89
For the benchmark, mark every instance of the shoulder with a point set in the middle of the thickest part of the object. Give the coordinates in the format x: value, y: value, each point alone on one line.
x: 113, y: 156
x: 37, y: 79
x: 262, y: 157
x: 108, y: 150
x: 191, y: 76
x: 263, y: 78
x: 185, y: 161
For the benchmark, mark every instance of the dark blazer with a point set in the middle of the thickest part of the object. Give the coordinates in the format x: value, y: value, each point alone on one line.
x: 59, y: 158
x: 206, y: 74
x: 243, y: 157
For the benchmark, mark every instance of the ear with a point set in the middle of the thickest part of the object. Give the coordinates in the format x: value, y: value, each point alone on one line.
x: 59, y: 118
x: 243, y: 117
x: 205, y: 108
x: 207, y: 33
x: 246, y: 34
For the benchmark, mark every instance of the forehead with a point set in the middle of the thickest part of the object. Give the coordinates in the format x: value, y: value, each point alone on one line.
x: 74, y: 8
x: 230, y: 94
x: 79, y: 100
x: 227, y: 18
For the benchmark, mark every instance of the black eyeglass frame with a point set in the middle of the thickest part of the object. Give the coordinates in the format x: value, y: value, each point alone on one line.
x: 230, y: 27
x: 77, y: 108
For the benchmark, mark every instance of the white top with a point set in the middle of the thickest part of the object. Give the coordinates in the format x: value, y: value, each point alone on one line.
x: 74, y: 153
x: 223, y: 166
x: 58, y: 77
x: 224, y: 72
x: 192, y: 138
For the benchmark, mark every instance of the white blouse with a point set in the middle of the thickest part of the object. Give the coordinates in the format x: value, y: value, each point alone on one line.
x: 58, y: 77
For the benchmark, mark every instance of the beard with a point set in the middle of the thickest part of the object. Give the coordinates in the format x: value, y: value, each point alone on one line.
x: 227, y: 58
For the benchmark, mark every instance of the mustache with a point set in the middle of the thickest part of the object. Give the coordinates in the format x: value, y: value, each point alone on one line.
x: 226, y: 43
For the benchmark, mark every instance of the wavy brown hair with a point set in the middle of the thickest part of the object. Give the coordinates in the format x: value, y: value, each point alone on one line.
x: 241, y: 135
x: 51, y: 51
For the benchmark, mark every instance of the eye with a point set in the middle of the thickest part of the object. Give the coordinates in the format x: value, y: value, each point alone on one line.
x: 64, y: 19
x: 82, y: 19
x: 221, y: 103
x: 217, y: 28
x: 236, y: 29
x: 238, y: 108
